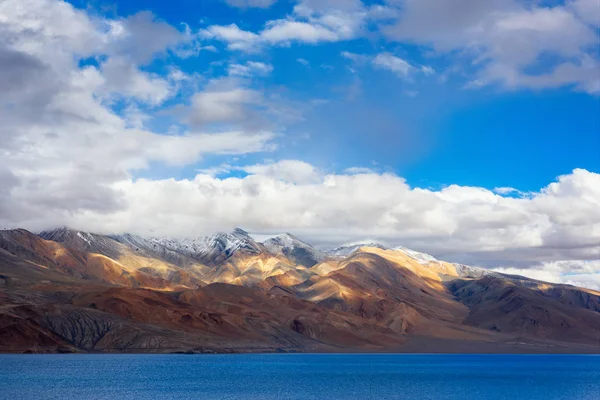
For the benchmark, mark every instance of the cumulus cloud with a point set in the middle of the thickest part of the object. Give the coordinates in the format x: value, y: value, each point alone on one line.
x: 236, y: 38
x: 124, y: 80
x: 63, y: 147
x: 506, y: 38
x: 238, y: 101
x: 470, y: 224
x: 234, y: 103
x: 224, y: 105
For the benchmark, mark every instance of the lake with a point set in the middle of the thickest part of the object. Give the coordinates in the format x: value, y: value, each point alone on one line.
x: 300, y: 376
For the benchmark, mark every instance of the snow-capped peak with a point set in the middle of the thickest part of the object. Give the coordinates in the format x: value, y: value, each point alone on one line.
x: 421, y: 258
x: 295, y: 249
x: 466, y: 271
x: 73, y: 238
x: 284, y: 240
x: 56, y: 235
x: 345, y: 251
x: 213, y: 248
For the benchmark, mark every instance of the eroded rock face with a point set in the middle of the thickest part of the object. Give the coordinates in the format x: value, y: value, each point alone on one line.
x: 55, y: 296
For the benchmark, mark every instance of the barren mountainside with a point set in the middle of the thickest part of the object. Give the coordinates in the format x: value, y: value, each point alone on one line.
x: 72, y: 291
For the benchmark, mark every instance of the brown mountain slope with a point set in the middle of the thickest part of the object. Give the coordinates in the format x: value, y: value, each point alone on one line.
x: 248, y: 269
x: 394, y: 296
x: 219, y: 317
x: 127, y: 270
x: 552, y: 312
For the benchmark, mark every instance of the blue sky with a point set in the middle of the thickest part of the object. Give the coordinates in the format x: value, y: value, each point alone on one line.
x: 469, y: 130
x: 430, y: 132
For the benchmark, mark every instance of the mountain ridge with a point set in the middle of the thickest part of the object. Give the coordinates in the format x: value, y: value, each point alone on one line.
x: 229, y: 293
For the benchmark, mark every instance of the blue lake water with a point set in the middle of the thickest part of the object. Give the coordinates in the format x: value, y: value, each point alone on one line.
x: 300, y: 376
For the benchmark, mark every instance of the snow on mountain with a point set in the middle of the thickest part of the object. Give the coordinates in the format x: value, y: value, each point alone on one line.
x: 149, y: 248
x: 463, y: 271
x: 294, y: 249
x: 421, y: 258
x: 218, y: 248
x: 212, y: 249
x: 82, y: 241
x: 346, y: 251
x: 134, y: 241
x: 469, y: 272
x: 466, y: 271
x: 56, y: 235
x: 209, y: 250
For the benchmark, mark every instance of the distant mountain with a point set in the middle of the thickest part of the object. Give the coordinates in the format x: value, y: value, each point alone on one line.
x: 71, y: 291
x: 154, y: 249
x: 295, y: 250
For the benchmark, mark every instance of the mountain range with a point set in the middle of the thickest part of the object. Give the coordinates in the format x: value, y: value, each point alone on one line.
x: 71, y: 291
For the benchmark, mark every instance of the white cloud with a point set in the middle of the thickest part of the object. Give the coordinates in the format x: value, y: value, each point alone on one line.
x: 310, y: 22
x: 283, y: 31
x: 571, y: 272
x: 292, y: 171
x: 587, y: 10
x: 393, y: 63
x: 123, y: 79
x: 463, y: 224
x: 303, y: 61
x: 506, y: 38
x: 236, y: 102
x: 385, y: 60
x: 142, y: 36
x: 358, y: 58
x: 236, y: 38
x: 223, y: 105
x: 358, y: 170
x: 251, y: 68
x: 251, y: 3
x: 427, y: 70
x: 509, y: 191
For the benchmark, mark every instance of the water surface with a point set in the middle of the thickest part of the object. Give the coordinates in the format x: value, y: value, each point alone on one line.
x: 300, y: 376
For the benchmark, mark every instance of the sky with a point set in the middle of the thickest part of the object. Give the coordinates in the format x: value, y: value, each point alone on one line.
x: 466, y: 129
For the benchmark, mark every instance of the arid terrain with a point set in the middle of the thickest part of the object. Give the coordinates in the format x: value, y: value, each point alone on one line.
x: 70, y: 291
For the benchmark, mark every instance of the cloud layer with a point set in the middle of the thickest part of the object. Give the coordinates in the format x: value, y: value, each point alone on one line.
x: 466, y: 224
